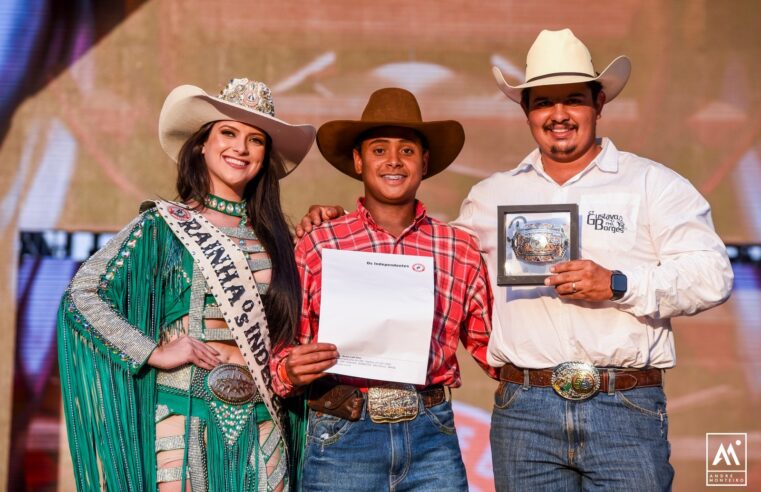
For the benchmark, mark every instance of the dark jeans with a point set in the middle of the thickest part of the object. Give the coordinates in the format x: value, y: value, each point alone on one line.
x: 542, y: 442
x: 418, y: 455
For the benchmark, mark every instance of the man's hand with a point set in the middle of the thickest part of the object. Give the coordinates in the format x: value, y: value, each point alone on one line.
x: 583, y: 280
x: 316, y: 215
x: 184, y: 350
x: 308, y: 362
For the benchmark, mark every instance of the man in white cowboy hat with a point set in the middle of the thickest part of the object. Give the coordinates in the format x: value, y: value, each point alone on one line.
x: 580, y: 405
x: 364, y: 434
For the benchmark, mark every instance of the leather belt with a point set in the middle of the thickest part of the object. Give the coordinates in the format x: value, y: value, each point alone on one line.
x: 625, y: 379
x: 432, y: 396
x: 346, y: 401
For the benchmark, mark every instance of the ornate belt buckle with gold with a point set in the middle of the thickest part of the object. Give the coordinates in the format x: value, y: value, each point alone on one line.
x: 392, y: 403
x: 575, y: 380
x: 232, y: 384
x: 536, y: 241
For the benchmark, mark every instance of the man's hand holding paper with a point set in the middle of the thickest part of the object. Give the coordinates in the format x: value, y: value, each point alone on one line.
x: 306, y: 363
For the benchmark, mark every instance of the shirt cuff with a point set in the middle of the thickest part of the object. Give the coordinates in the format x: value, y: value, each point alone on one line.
x: 281, y: 383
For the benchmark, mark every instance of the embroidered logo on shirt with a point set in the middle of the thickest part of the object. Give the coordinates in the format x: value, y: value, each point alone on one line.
x: 606, y: 222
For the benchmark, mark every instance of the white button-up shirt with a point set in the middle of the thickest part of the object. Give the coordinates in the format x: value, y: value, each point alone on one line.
x: 666, y: 246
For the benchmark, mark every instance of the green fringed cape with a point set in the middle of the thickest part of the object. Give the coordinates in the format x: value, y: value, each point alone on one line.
x: 109, y: 322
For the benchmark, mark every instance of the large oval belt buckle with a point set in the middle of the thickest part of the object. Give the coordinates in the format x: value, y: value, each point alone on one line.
x: 537, y: 242
x: 232, y: 383
x: 575, y: 380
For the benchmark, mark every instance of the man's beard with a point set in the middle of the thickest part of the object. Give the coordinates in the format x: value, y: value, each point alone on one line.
x: 557, y: 150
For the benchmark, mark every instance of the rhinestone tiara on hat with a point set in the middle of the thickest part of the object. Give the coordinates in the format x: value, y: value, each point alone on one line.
x: 249, y: 94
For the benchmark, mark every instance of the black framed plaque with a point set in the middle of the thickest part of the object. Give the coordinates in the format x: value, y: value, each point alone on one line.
x: 532, y: 238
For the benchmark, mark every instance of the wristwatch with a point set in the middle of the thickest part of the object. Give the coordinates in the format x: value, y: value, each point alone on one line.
x: 618, y: 285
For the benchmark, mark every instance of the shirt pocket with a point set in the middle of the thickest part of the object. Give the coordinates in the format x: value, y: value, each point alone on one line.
x: 608, y: 222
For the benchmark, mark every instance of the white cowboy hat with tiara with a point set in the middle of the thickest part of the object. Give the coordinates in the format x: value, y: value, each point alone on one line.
x: 559, y: 57
x: 188, y: 107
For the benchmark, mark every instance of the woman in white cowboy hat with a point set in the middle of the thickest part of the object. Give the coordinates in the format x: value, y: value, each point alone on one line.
x: 165, y: 333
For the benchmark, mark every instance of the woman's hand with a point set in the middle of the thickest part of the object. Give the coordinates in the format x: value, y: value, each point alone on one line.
x: 308, y: 362
x: 184, y: 350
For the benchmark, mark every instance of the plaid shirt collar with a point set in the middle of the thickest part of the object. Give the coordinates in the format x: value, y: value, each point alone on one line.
x: 421, y: 216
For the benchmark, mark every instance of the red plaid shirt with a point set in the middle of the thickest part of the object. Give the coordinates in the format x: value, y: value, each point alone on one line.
x: 463, y: 300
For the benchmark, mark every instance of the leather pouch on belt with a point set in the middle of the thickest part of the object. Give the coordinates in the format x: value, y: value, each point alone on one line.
x: 339, y: 400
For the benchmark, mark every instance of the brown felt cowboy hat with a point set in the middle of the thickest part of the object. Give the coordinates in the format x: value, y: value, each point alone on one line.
x: 559, y: 57
x: 187, y: 108
x: 390, y: 107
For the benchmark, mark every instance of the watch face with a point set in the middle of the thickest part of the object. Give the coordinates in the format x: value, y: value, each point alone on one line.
x: 618, y: 283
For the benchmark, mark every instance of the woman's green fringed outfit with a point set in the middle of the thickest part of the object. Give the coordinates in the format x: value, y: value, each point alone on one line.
x: 124, y: 301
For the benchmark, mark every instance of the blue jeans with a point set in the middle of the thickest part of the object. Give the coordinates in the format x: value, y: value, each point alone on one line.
x: 421, y: 454
x: 542, y: 442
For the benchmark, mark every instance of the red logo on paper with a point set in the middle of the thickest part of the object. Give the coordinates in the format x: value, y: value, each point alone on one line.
x: 418, y: 267
x: 179, y: 213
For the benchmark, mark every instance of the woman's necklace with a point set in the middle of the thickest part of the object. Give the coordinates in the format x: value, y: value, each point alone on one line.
x: 234, y: 209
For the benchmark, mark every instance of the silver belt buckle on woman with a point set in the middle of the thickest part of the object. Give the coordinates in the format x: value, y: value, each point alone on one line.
x: 232, y: 384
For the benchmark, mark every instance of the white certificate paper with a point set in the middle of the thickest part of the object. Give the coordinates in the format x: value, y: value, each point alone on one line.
x: 378, y: 311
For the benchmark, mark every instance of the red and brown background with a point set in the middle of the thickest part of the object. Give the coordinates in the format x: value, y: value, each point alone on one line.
x: 83, y: 82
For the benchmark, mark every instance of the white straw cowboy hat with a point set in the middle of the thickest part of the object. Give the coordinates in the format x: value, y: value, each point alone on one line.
x: 559, y: 57
x: 390, y: 107
x: 188, y: 107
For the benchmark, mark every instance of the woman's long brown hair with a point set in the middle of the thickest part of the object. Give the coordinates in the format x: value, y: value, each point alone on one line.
x: 282, y: 304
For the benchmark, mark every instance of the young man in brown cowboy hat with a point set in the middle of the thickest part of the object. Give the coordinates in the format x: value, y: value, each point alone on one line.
x: 356, y: 445
x: 581, y: 405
